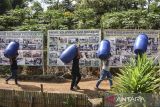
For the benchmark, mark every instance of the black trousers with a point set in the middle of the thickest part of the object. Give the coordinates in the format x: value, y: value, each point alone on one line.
x: 76, y: 77
x: 13, y: 75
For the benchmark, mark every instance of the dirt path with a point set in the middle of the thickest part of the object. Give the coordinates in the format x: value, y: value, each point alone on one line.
x: 87, y: 87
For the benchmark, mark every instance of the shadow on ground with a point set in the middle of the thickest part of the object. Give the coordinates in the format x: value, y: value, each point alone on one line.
x: 29, y: 87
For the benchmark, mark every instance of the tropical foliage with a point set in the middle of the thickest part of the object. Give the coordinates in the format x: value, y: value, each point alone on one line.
x: 79, y: 14
x: 139, y: 77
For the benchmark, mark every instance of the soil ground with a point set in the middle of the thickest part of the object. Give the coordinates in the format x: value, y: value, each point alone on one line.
x: 87, y: 87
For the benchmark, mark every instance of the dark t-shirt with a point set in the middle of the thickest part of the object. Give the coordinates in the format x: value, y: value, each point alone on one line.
x: 14, y: 64
x: 75, y: 65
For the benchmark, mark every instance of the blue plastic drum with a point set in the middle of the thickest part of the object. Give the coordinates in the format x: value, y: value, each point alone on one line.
x: 104, y: 49
x: 11, y: 50
x: 68, y: 54
x: 140, y: 45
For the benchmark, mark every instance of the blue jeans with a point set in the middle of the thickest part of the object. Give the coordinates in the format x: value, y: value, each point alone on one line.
x: 103, y: 75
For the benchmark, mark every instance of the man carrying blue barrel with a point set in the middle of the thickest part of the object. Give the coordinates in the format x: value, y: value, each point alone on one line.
x: 11, y: 52
x: 76, y: 76
x: 104, y: 54
x: 13, y: 68
x: 72, y: 53
x: 140, y: 46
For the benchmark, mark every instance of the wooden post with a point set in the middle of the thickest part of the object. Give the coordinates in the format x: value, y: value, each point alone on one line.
x: 43, y: 95
x: 41, y: 88
x: 43, y: 61
x: 43, y: 69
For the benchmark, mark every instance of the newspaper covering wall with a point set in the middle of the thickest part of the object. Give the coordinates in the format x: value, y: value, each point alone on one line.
x: 122, y: 43
x: 30, y: 49
x: 87, y: 40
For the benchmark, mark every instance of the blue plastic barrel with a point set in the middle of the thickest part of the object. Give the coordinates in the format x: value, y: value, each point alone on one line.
x: 140, y: 45
x: 11, y: 49
x: 68, y: 54
x: 104, y: 49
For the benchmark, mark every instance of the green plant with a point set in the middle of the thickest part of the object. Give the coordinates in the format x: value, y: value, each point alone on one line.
x: 4, y: 70
x: 139, y: 76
